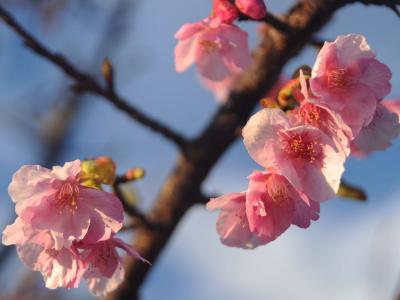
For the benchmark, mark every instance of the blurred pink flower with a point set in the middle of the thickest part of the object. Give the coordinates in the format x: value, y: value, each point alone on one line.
x: 253, y: 8
x: 348, y: 79
x: 225, y: 10
x: 378, y: 134
x: 105, y: 270
x: 55, y: 201
x: 218, y: 49
x: 305, y: 155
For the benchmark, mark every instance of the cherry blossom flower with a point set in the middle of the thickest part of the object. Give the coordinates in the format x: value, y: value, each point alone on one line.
x: 262, y: 213
x: 348, y: 79
x: 253, y: 8
x: 218, y: 49
x: 225, y: 10
x: 378, y: 134
x: 305, y: 155
x: 104, y: 265
x: 54, y: 200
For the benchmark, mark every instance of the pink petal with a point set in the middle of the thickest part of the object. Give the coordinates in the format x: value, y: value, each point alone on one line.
x: 261, y: 127
x: 352, y: 47
x: 29, y: 185
x: 185, y: 52
x: 14, y: 233
x: 272, y: 194
x: 101, y: 286
x: 305, y: 213
x: 232, y: 225
x: 188, y: 30
x: 106, y: 204
x: 253, y: 8
x: 378, y: 134
x: 377, y: 76
x: 70, y: 170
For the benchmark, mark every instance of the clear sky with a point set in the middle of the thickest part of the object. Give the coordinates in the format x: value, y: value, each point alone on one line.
x: 351, y: 253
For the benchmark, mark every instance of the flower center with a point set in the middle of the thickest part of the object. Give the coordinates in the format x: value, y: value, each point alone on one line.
x: 67, y: 196
x: 277, y: 189
x: 340, y: 79
x: 209, y: 46
x: 300, y: 146
x: 311, y: 115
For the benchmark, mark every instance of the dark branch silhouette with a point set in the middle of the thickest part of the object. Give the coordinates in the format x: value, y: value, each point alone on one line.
x: 85, y: 83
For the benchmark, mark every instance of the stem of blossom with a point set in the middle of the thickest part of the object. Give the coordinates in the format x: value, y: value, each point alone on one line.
x: 347, y: 190
x: 132, y: 211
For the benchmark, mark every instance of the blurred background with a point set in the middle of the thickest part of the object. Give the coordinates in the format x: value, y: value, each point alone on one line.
x: 352, y: 252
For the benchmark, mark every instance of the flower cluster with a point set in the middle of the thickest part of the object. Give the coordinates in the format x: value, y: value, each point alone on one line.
x: 303, y: 151
x: 217, y: 46
x: 66, y: 224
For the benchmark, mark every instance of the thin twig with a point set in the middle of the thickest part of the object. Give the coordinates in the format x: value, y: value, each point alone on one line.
x: 130, y: 209
x: 86, y: 83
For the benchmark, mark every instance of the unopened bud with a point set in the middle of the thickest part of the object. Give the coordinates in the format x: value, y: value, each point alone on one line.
x: 98, y: 171
x: 108, y: 73
x: 134, y: 174
x: 269, y: 103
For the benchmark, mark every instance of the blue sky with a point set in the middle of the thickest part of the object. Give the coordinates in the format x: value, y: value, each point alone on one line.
x: 352, y: 252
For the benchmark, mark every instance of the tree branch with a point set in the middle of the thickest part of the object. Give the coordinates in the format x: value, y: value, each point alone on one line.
x: 85, y: 83
x: 132, y: 210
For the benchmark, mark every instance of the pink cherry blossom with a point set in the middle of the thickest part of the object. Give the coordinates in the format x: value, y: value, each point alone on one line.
x: 305, y: 155
x: 60, y: 268
x: 232, y: 223
x: 348, y: 79
x: 272, y: 205
x: 225, y: 10
x: 378, y: 134
x: 218, y: 49
x: 253, y: 8
x: 262, y: 213
x: 55, y: 201
x: 105, y: 266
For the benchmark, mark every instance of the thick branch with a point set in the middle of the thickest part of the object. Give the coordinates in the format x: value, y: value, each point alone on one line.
x: 86, y: 83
